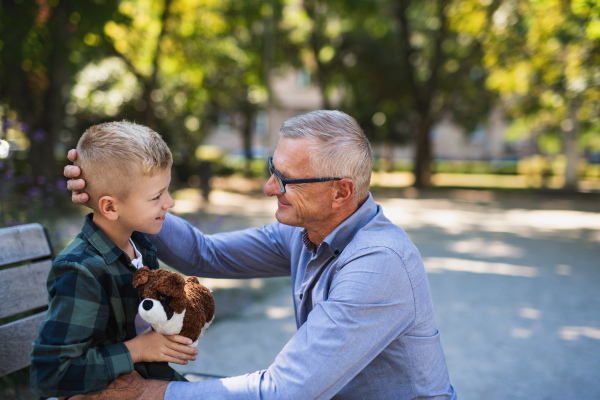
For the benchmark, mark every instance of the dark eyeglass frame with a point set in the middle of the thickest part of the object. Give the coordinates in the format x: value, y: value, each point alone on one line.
x: 281, y: 181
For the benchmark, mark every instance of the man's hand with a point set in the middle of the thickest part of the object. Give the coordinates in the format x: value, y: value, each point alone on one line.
x: 128, y: 387
x: 153, y: 346
x: 75, y: 185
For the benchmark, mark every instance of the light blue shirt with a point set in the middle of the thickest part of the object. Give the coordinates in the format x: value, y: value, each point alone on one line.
x: 365, y: 320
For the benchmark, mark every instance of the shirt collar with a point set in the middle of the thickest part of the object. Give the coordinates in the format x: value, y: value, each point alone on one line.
x: 343, y: 234
x: 106, y: 247
x: 310, y: 246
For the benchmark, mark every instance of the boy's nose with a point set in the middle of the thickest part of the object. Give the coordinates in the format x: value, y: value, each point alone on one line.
x: 169, y: 203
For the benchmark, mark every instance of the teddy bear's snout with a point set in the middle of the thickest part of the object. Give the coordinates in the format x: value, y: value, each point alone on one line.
x: 147, y: 304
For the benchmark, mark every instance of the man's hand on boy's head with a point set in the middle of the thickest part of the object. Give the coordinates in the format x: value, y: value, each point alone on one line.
x: 75, y: 185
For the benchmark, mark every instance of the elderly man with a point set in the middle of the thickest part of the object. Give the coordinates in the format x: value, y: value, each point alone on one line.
x: 365, y: 320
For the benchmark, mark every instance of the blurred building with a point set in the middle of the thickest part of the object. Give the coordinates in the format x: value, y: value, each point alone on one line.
x: 294, y: 93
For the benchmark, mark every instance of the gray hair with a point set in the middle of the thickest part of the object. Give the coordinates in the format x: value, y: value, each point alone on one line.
x: 340, y: 149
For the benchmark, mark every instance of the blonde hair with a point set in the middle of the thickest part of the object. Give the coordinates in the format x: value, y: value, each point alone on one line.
x: 112, y: 155
x: 340, y: 149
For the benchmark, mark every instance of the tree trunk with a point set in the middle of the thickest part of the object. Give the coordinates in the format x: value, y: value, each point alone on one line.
x: 44, y: 130
x: 150, y: 84
x: 315, y: 41
x: 387, y: 152
x: 570, y: 148
x: 247, y: 139
x: 422, y: 159
x: 423, y: 94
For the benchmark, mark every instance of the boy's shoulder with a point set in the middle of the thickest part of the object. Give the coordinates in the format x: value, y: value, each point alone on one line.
x: 80, y: 255
x: 79, y: 250
x: 91, y: 249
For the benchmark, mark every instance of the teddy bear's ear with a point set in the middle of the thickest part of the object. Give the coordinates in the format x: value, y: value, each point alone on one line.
x: 172, y: 285
x: 141, y: 277
x: 193, y: 279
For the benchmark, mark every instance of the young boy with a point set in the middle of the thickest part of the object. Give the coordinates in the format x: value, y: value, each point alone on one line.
x: 91, y: 333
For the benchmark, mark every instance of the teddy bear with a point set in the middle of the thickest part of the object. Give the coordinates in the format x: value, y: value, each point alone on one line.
x: 172, y: 305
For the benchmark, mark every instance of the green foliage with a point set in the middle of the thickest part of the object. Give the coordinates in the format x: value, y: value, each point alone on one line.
x: 399, y: 67
x: 500, y: 167
x: 543, y: 58
x: 43, y: 44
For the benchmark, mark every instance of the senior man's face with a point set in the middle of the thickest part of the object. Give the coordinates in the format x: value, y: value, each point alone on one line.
x: 305, y: 204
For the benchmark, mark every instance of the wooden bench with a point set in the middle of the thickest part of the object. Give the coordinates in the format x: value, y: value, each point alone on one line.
x: 25, y: 259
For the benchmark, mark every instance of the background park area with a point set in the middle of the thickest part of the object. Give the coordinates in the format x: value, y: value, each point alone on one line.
x: 484, y: 119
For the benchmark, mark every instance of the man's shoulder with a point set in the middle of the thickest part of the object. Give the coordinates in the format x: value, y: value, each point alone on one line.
x: 380, y: 231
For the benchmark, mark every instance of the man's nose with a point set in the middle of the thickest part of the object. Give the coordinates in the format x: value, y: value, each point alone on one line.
x: 271, y: 188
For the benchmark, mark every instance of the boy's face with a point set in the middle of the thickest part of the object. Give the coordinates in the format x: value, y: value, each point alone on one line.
x: 145, y: 208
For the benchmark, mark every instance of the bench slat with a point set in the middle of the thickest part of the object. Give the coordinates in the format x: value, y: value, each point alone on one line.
x: 23, y: 288
x: 15, y: 342
x: 24, y: 242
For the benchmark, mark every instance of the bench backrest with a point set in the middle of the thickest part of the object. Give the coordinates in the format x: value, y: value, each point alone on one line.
x: 25, y: 259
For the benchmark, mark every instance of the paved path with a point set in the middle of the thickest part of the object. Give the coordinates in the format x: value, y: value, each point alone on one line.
x: 515, y: 283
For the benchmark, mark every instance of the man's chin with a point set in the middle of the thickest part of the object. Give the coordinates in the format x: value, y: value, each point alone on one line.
x: 286, y: 219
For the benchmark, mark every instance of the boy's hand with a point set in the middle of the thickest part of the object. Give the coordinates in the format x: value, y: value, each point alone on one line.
x: 153, y: 346
x: 75, y: 185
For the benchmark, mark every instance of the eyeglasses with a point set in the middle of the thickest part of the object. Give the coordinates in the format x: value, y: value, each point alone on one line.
x: 281, y: 182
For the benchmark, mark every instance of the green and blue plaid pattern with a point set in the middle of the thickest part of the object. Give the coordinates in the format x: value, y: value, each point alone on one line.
x: 91, y: 312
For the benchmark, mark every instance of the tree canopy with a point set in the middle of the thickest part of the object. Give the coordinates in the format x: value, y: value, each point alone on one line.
x: 398, y: 66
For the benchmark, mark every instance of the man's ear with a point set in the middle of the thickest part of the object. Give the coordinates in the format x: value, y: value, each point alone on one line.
x: 107, y: 206
x: 343, y: 191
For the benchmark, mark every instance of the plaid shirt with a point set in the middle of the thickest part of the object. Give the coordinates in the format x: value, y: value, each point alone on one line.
x: 91, y: 312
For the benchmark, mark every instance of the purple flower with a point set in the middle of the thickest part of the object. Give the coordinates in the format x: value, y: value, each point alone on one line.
x: 8, y: 174
x: 8, y: 123
x: 34, y: 192
x: 61, y: 183
x: 41, y: 180
x: 24, y: 127
x: 39, y: 135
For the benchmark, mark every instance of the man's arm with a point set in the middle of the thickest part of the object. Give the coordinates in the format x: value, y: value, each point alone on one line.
x: 248, y: 253
x: 364, y: 313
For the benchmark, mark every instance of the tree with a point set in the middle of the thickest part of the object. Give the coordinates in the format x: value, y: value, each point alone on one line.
x: 543, y: 59
x: 189, y: 62
x: 43, y: 45
x: 401, y: 66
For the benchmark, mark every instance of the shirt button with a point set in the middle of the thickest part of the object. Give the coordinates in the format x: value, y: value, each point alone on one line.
x: 301, y: 295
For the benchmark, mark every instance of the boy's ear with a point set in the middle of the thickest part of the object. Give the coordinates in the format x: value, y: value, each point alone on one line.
x: 107, y: 206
